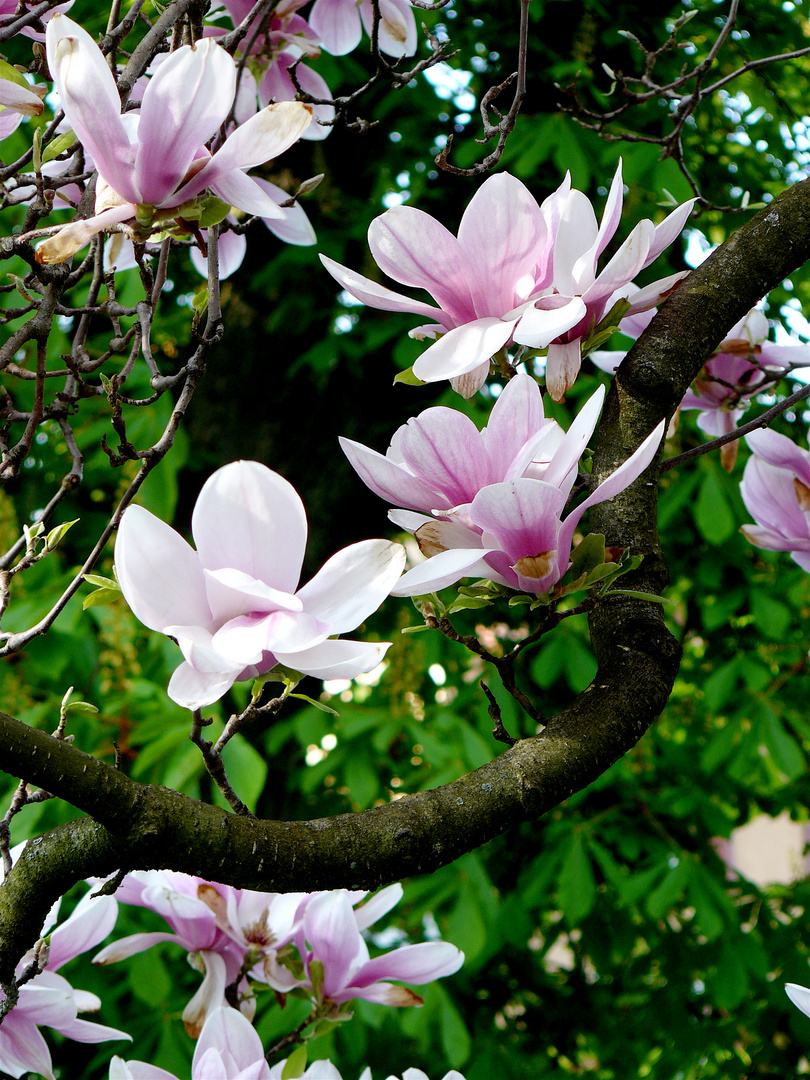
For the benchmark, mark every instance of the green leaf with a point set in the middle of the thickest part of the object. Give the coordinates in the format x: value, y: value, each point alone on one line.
x: 100, y: 597
x: 55, y: 536
x: 466, y: 926
x: 714, y: 515
x: 295, y: 1064
x: 670, y: 890
x: 316, y: 704
x: 246, y: 769
x: 588, y: 554
x: 58, y: 146
x: 101, y: 582
x: 362, y: 780
x: 212, y: 211
x: 576, y: 885
x: 456, y: 1041
x: 407, y: 378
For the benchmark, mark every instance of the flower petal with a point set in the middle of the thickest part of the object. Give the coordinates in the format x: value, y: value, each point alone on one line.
x: 159, y: 573
x: 89, y: 96
x: 251, y: 519
x: 352, y: 584
x: 183, y: 105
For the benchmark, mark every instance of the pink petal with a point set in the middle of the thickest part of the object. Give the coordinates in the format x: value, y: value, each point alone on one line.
x: 195, y: 689
x: 781, y: 452
x: 378, y: 296
x: 89, y: 96
x: 442, y: 570
x: 414, y: 249
x: 416, y: 964
x: 502, y: 235
x: 249, y: 518
x: 389, y: 480
x: 516, y: 417
x: 397, y: 32
x: 183, y: 106
x: 539, y: 325
x: 523, y: 516
x: 352, y: 584
x: 618, y: 480
x: 337, y: 24
x: 444, y: 448
x: 463, y: 349
x: 562, y: 367
x: 229, y: 1032
x: 331, y: 933
x: 159, y: 573
x: 574, y: 441
x: 340, y: 659
x: 267, y: 134
x: 669, y: 229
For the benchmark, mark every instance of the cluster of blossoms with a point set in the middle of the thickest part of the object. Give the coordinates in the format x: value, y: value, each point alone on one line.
x: 154, y: 170
x: 153, y: 164
x: 518, y: 273
x: 309, y: 944
x: 495, y: 498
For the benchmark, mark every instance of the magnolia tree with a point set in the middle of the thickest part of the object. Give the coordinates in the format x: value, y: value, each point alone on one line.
x: 525, y: 498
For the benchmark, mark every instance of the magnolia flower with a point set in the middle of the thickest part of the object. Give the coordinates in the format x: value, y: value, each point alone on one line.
x: 48, y: 1000
x: 739, y: 366
x: 153, y: 165
x: 440, y: 460
x: 517, y: 273
x: 481, y: 279
x: 513, y: 532
x: 232, y: 605
x: 338, y: 23
x: 329, y: 934
x: 776, y: 491
x: 583, y: 293
x: 228, y: 1049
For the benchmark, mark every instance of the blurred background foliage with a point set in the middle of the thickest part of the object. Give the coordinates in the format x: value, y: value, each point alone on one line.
x: 609, y: 939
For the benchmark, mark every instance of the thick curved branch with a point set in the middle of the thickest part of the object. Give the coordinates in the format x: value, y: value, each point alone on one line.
x: 133, y: 826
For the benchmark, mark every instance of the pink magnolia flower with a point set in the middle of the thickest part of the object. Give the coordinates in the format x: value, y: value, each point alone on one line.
x: 517, y: 273
x: 440, y: 460
x: 481, y: 279
x: 586, y: 295
x: 233, y: 605
x: 153, y: 164
x: 228, y: 1049
x: 737, y: 370
x: 329, y: 934
x: 776, y: 491
x: 48, y: 1000
x: 513, y: 532
x: 338, y: 23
